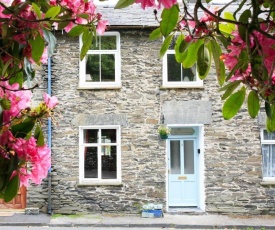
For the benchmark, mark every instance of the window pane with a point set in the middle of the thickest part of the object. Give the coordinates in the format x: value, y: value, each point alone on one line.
x: 90, y: 135
x: 189, y: 74
x: 100, y: 67
x: 269, y: 136
x: 108, y: 136
x: 107, y: 67
x: 90, y: 162
x: 173, y: 68
x: 189, y: 157
x: 92, y: 68
x: 109, y: 162
x: 175, y: 157
x: 104, y: 43
x: 268, y: 152
x: 176, y: 72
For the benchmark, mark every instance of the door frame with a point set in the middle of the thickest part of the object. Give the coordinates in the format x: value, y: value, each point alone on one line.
x: 199, y: 129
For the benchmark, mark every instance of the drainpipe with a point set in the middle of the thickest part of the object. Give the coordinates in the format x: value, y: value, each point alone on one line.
x: 49, y: 91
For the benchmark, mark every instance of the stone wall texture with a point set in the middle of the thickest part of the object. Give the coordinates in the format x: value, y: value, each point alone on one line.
x: 232, y: 152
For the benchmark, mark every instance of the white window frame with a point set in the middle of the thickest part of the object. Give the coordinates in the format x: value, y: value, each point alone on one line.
x: 102, y: 85
x: 82, y: 145
x: 266, y: 142
x: 179, y: 84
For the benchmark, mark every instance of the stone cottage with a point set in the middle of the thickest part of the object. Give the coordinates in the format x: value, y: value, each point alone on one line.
x: 106, y: 153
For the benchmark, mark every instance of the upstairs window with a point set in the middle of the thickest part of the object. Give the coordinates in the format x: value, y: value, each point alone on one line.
x: 99, y: 155
x: 175, y: 75
x: 268, y: 154
x: 101, y: 66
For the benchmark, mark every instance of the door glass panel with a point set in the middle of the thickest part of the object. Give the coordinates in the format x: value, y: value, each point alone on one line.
x: 189, y: 157
x: 175, y: 157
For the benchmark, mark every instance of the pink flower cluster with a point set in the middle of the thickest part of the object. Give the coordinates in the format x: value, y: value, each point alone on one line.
x: 265, y: 47
x: 80, y: 7
x: 198, y: 30
x: 34, y: 160
x: 27, y: 24
x: 19, y: 100
x: 151, y: 3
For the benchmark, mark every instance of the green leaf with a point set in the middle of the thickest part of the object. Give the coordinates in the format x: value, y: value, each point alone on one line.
x: 5, y: 103
x: 85, y: 16
x: 233, y: 104
x: 155, y: 34
x: 37, y: 10
x: 12, y: 189
x: 22, y: 129
x: 6, y: 66
x: 39, y: 136
x: 191, y: 53
x: 124, y: 3
x: 169, y: 20
x: 203, y: 61
x: 87, y: 39
x: 13, y: 163
x: 253, y: 104
x: 230, y: 89
x: 53, y: 12
x: 51, y: 40
x: 245, y: 19
x: 180, y: 47
x: 219, y: 64
x: 270, y: 121
x: 267, y: 109
x: 165, y: 45
x: 38, y: 46
x: 77, y: 31
x: 225, y: 29
x: 230, y: 16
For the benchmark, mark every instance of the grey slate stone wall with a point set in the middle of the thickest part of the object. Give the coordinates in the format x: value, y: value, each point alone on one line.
x: 232, y: 148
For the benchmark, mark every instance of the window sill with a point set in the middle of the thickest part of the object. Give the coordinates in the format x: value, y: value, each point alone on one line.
x: 100, y: 183
x: 268, y: 181
x: 182, y: 87
x: 99, y: 87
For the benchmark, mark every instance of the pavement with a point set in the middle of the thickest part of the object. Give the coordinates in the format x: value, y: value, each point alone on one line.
x: 204, y: 221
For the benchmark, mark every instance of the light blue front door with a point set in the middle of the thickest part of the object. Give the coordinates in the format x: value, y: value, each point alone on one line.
x: 182, y: 173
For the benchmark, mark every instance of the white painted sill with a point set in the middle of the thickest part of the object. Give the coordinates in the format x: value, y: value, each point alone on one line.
x: 99, y: 87
x: 99, y: 183
x: 181, y: 87
x: 268, y: 181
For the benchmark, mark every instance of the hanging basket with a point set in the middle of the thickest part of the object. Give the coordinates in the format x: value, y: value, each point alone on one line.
x: 163, y: 136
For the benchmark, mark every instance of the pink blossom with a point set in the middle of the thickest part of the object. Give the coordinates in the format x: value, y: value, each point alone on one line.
x: 69, y: 27
x: 146, y: 3
x: 19, y: 99
x: 101, y: 26
x: 51, y: 102
x: 167, y: 3
x: 44, y: 57
x: 149, y: 3
x: 37, y: 160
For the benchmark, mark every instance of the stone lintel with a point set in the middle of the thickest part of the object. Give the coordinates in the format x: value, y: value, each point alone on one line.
x: 187, y: 112
x: 101, y: 119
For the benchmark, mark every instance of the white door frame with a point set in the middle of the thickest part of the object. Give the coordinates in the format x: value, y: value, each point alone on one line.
x: 200, y: 144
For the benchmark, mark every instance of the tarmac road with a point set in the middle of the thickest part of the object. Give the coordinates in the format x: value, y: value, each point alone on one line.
x: 77, y: 228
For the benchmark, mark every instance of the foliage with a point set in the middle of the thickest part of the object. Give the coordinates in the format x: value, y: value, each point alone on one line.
x: 27, y: 39
x: 240, y: 43
x: 163, y: 130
